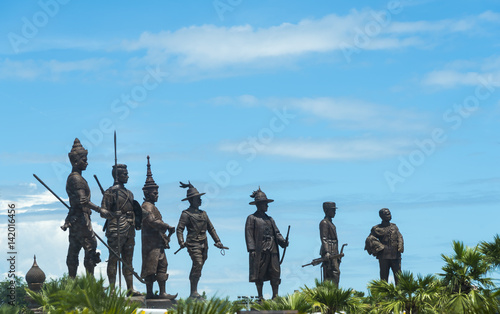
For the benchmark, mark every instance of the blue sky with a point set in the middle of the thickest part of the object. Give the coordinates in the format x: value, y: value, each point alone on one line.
x: 374, y: 104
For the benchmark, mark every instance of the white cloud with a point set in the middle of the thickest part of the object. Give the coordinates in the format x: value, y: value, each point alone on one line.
x: 466, y: 73
x: 356, y: 114
x: 24, y: 203
x: 210, y: 46
x: 343, y: 113
x: 344, y: 149
x: 31, y: 69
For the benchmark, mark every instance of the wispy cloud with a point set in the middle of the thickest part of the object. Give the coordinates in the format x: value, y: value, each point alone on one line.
x: 31, y: 202
x: 466, y: 73
x: 342, y: 113
x: 340, y: 150
x: 210, y: 46
x: 52, y: 69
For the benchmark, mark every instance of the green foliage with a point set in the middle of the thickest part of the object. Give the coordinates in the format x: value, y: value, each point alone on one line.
x: 420, y: 295
x: 491, y: 251
x: 6, y: 288
x: 466, y: 269
x: 81, y: 295
x: 296, y: 301
x: 329, y: 299
x: 13, y: 309
x: 211, y: 306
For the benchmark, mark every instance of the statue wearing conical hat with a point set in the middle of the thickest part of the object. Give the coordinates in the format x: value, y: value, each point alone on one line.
x: 154, y: 240
x: 197, y: 223
x: 263, y: 237
x: 124, y: 216
x: 78, y: 221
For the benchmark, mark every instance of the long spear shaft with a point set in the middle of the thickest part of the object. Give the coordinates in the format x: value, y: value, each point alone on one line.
x: 117, y: 218
x: 98, y: 237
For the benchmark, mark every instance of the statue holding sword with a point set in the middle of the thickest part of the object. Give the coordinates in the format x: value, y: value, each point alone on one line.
x: 262, y: 237
x: 197, y: 223
x: 154, y: 241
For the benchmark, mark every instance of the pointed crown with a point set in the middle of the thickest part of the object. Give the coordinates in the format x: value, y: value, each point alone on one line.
x: 77, y: 150
x: 259, y: 196
x: 150, y: 182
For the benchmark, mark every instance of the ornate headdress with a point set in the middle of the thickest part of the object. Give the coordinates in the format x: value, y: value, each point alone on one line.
x: 76, y: 151
x: 259, y: 196
x: 191, y: 192
x: 150, y: 182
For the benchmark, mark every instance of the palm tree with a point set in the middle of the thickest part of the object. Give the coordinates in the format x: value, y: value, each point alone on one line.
x: 466, y: 269
x: 411, y: 295
x: 296, y: 301
x: 81, y: 295
x: 468, y: 289
x: 212, y: 306
x: 329, y: 298
x: 491, y: 251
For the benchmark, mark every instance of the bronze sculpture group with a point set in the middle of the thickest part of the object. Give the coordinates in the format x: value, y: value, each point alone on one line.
x: 124, y: 215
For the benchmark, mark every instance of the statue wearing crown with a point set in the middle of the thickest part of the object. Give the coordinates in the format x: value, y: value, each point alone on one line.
x: 81, y: 234
x: 154, y: 241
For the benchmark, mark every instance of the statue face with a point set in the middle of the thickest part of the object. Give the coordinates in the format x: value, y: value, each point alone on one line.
x: 262, y: 206
x: 330, y: 212
x: 195, y: 201
x: 122, y: 176
x: 81, y: 162
x: 153, y: 195
x: 386, y: 215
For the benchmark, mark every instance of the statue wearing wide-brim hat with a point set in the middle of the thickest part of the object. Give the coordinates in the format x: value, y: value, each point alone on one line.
x: 259, y: 197
x: 197, y: 223
x: 191, y: 192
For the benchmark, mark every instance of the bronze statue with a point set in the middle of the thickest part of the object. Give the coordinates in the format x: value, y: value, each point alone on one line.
x: 123, y: 216
x: 154, y: 240
x: 386, y: 243
x: 197, y: 223
x: 329, y: 244
x: 81, y: 234
x: 262, y: 238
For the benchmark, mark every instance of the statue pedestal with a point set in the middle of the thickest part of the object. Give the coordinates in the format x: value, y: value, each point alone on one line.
x: 159, y: 304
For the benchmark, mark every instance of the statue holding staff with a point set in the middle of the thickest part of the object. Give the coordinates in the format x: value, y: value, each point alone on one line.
x: 81, y: 234
x: 124, y: 216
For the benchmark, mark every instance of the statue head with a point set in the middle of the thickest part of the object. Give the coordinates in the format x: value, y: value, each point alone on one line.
x: 192, y: 194
x: 78, y: 155
x: 150, y: 188
x: 122, y: 172
x: 260, y: 200
x: 385, y: 214
x: 330, y: 209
